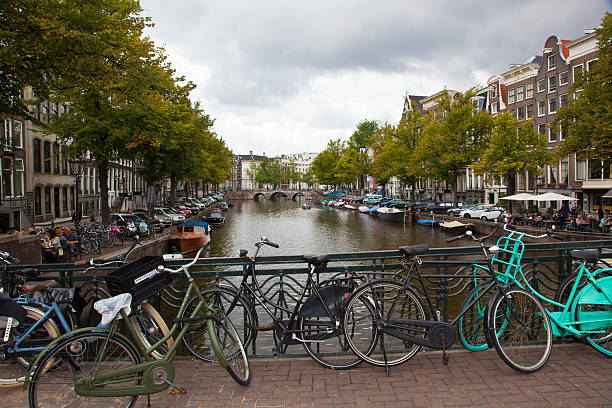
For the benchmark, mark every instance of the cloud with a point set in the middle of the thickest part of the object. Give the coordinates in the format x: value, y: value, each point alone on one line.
x: 288, y: 76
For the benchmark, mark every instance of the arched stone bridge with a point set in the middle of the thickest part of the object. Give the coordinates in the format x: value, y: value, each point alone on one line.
x: 273, y: 195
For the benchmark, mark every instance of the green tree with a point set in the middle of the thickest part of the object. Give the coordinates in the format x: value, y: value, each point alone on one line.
x: 511, y: 152
x: 450, y: 145
x: 324, y: 165
x: 588, y: 118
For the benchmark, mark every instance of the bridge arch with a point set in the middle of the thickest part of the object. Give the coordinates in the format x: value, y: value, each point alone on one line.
x: 296, y: 195
x: 259, y: 194
x: 277, y: 194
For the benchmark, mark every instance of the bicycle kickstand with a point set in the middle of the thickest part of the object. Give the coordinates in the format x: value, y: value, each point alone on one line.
x: 444, y: 354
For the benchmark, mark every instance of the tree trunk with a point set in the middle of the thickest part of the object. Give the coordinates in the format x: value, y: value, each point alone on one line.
x: 173, y: 183
x: 455, y: 189
x: 510, y: 187
x: 103, y: 180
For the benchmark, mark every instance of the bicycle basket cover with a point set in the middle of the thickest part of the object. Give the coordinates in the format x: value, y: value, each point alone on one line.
x: 110, y: 307
x: 10, y: 308
x: 59, y: 295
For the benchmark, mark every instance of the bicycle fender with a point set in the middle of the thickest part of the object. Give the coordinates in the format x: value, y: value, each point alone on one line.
x: 487, y: 324
x: 26, y: 383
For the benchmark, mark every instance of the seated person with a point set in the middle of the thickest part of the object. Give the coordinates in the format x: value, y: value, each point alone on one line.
x: 605, y: 224
x: 581, y: 223
x: 70, y: 240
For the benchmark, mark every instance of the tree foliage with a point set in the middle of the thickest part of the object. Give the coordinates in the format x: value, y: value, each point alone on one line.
x: 588, y: 118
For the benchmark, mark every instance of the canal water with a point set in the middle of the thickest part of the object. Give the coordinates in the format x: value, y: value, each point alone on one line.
x: 315, y: 231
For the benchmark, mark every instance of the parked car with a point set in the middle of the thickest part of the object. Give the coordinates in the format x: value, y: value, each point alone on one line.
x: 176, y: 217
x: 493, y: 213
x: 439, y: 208
x: 182, y: 208
x: 475, y: 212
x: 130, y: 224
x: 154, y: 225
x: 162, y: 217
x: 399, y: 203
x: 423, y: 205
x: 453, y: 211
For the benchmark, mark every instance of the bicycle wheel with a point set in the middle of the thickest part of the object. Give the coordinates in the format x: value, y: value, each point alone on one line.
x: 565, y: 287
x: 86, y: 245
x: 197, y: 340
x: 77, y: 357
x: 370, y: 305
x: 13, y: 370
x: 520, y: 329
x: 324, y: 338
x: 150, y: 328
x: 471, y: 324
x: 228, y: 344
x: 593, y: 313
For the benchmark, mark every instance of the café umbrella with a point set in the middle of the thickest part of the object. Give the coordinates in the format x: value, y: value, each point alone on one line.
x: 553, y: 197
x: 519, y: 197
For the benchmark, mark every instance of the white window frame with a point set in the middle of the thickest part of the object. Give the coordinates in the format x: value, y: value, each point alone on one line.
x: 550, y: 130
x: 518, y: 108
x: 554, y: 60
x: 511, y: 101
x: 18, y: 168
x: 554, y: 78
x: 588, y: 62
x: 494, y: 108
x: 527, y: 96
x: 561, y: 96
x: 566, y: 82
x: 18, y: 143
x: 584, y: 169
x: 550, y: 112
x: 7, y: 193
x: 527, y: 117
x: 574, y: 70
x: 542, y: 101
x: 541, y: 81
x: 522, y: 93
x: 545, y: 131
x: 8, y: 134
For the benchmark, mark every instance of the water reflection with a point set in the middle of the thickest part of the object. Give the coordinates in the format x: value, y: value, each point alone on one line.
x: 318, y: 230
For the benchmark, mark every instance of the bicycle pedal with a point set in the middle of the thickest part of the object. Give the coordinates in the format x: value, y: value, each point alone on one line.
x: 177, y: 390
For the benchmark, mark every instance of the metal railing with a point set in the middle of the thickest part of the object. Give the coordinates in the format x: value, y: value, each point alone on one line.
x: 281, y: 277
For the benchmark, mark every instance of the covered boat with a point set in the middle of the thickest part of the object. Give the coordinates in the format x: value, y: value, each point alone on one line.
x: 374, y: 210
x: 364, y: 209
x: 456, y: 226
x: 190, y: 236
x: 431, y: 223
x: 393, y: 214
x: 215, y: 217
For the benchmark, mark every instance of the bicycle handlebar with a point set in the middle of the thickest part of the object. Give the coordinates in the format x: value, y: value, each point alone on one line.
x: 184, y: 267
x: 549, y: 233
x: 6, y: 257
x: 266, y: 241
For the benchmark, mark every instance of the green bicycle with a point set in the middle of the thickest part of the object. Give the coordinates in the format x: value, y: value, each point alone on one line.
x: 99, y: 365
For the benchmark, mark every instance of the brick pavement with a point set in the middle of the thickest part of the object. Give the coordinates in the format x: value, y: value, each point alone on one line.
x: 575, y: 376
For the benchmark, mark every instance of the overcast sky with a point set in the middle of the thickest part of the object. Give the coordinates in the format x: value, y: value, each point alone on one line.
x: 286, y: 76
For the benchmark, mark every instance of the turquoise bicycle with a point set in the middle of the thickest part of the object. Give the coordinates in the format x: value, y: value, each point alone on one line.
x: 584, y: 310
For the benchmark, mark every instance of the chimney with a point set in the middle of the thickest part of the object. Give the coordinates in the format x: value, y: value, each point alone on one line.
x: 250, y: 152
x: 264, y: 154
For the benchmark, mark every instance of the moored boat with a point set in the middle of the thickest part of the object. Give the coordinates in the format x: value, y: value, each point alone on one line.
x: 431, y: 223
x: 364, y: 209
x: 456, y: 226
x: 374, y: 210
x: 214, y: 217
x: 393, y: 214
x: 306, y: 206
x: 190, y: 236
x: 350, y: 207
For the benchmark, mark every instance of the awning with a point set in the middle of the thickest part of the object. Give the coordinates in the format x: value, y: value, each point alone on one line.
x: 608, y: 194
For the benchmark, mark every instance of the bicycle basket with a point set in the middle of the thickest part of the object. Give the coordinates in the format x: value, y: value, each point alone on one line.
x: 139, y: 278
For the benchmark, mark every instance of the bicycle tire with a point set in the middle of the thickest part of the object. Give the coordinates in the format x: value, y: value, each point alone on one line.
x: 12, y: 373
x: 324, y: 340
x: 366, y: 340
x: 86, y: 246
x: 565, y: 287
x: 55, y: 375
x: 227, y: 345
x: 471, y: 324
x: 150, y: 328
x: 524, y: 350
x: 197, y: 340
x: 592, y: 301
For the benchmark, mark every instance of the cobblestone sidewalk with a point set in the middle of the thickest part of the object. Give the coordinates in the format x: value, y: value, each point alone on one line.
x: 575, y: 376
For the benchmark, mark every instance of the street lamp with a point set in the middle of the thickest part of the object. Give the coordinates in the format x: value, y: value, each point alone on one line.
x: 77, y: 165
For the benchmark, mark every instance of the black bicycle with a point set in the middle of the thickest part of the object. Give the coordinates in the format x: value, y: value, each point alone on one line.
x: 315, y: 322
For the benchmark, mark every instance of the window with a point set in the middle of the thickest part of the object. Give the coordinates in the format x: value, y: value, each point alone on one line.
x: 54, y: 108
x: 552, y: 105
x: 492, y: 93
x: 529, y: 90
x: 553, y: 176
x: 529, y: 111
x: 551, y: 62
x: 591, y: 64
x: 563, y: 78
x: 56, y: 158
x: 18, y: 134
x: 47, y: 156
x: 493, y: 108
x: 580, y: 169
x: 552, y: 134
x: 511, y: 95
x: 7, y: 176
x: 47, y: 200
x: 37, y: 201
x: 64, y: 161
x: 36, y: 154
x: 520, y: 93
x: 541, y: 85
x: 65, y: 198
x: 542, y: 128
x: 564, y: 173
x: 541, y: 108
x: 62, y: 109
x: 18, y: 178
x: 72, y: 198
x: 577, y: 72
x: 520, y: 113
x: 7, y: 134
x: 562, y: 132
x: 44, y: 111
x: 563, y: 100
x: 599, y: 169
x: 552, y: 84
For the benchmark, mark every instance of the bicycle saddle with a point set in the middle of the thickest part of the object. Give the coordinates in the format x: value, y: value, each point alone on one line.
x: 585, y: 254
x: 413, y: 249
x: 316, y: 260
x: 36, y: 286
